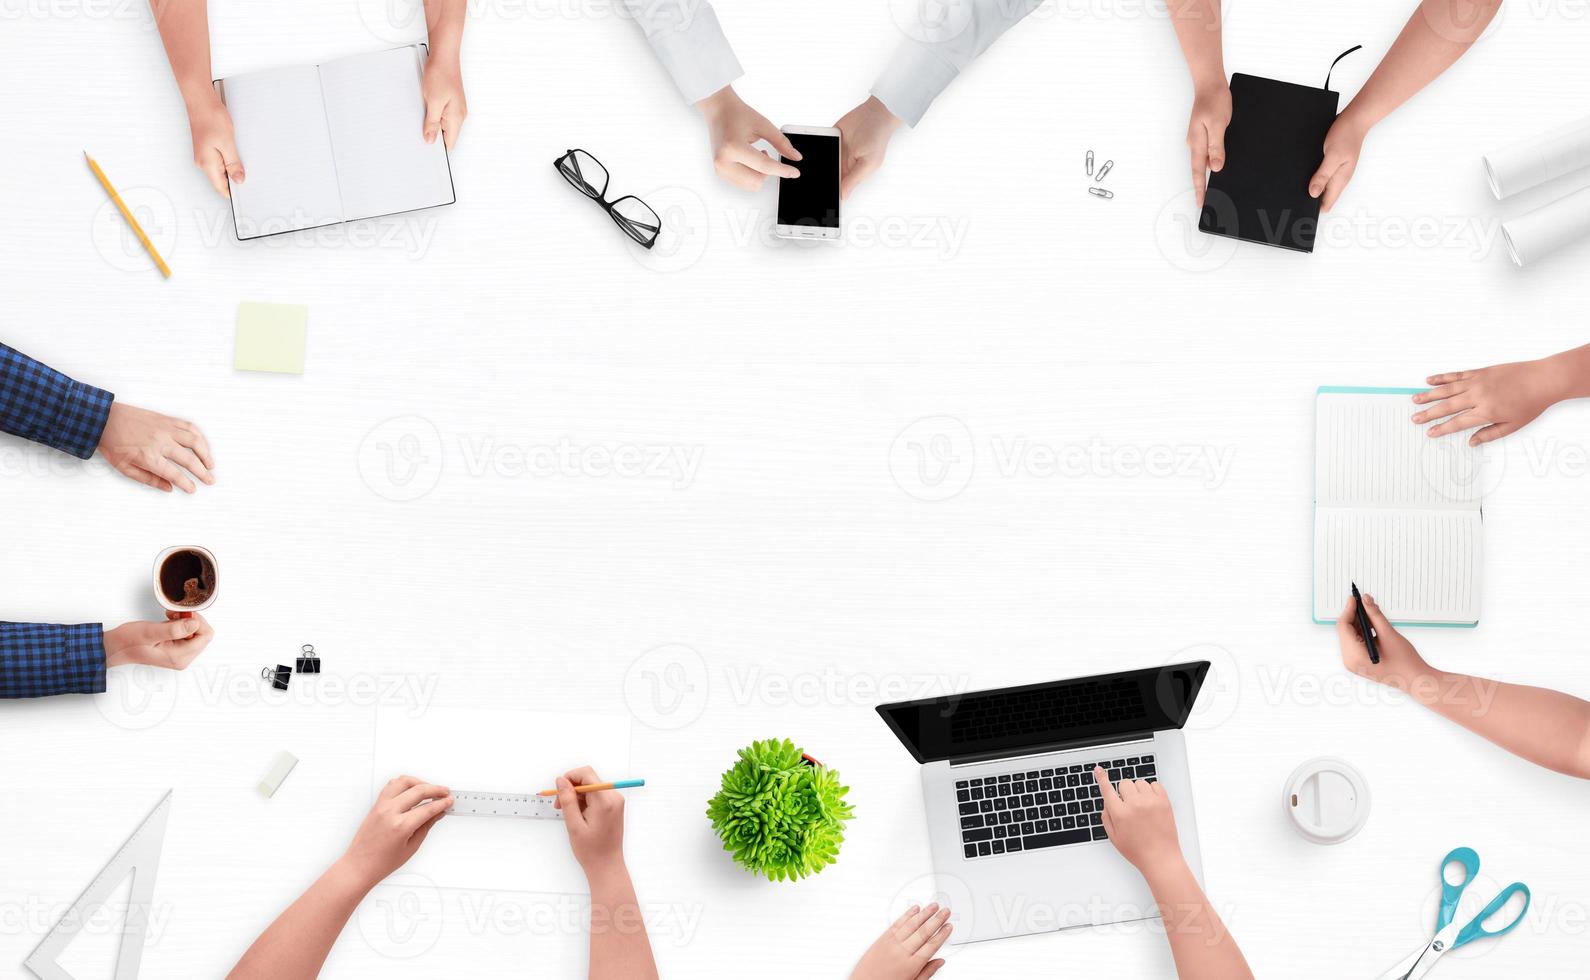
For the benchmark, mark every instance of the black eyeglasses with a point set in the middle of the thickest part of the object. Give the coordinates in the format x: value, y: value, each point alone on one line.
x: 630, y: 213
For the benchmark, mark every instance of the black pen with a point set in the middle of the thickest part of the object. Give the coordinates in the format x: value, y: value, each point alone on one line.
x: 1364, y: 629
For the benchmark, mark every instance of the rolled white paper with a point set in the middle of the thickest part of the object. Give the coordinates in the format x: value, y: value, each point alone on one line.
x: 1542, y: 231
x: 1533, y: 162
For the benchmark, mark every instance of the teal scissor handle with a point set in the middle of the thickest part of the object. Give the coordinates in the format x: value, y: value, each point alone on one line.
x: 1450, y: 893
x: 1476, y: 929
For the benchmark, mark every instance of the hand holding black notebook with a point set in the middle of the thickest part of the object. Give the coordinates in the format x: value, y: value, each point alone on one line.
x: 1274, y: 144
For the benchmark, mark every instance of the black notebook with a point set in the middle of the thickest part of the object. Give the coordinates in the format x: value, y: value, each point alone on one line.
x: 1274, y: 145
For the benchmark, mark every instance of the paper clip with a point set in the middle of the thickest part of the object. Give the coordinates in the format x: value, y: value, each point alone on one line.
x: 1090, y: 163
x: 1100, y: 192
x: 278, y: 677
x: 1104, y: 170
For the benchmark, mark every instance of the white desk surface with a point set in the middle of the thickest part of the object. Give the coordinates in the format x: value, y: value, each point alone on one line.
x: 784, y: 552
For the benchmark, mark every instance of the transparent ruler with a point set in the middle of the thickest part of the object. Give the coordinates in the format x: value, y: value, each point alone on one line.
x: 468, y: 803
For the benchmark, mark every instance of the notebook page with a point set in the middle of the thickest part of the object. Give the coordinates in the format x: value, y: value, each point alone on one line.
x: 1422, y: 566
x: 376, y: 113
x: 1367, y: 453
x: 290, y: 176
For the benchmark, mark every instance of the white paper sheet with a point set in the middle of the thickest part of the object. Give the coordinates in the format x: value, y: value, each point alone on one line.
x: 1533, y: 236
x: 1533, y: 162
x: 501, y: 751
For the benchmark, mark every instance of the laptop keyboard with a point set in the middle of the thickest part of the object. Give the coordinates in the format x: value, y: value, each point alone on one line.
x: 1038, y: 808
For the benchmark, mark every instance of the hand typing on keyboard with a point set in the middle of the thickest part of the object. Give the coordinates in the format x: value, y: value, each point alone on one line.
x: 1138, y: 818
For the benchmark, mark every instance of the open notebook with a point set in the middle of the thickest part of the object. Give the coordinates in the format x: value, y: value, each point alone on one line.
x: 1394, y: 510
x: 322, y: 144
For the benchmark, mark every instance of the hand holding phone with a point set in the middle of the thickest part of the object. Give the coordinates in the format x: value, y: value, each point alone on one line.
x: 808, y: 205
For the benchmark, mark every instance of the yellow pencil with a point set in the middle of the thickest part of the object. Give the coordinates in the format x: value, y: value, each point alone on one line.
x: 149, y: 246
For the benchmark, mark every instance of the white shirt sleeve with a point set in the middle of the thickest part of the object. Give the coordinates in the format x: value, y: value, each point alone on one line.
x: 687, y: 39
x: 942, y: 38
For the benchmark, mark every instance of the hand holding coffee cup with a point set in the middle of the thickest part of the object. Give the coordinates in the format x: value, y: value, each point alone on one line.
x: 173, y: 644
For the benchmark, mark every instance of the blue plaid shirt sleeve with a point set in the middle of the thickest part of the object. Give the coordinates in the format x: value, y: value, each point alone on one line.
x: 41, y: 659
x: 43, y: 405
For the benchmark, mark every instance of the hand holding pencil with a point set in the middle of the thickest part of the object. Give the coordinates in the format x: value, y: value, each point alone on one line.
x: 595, y: 821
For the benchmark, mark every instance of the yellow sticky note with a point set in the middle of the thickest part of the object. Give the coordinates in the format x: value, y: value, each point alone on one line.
x: 271, y: 337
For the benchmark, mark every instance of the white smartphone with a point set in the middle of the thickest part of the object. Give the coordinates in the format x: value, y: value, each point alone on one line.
x: 808, y: 205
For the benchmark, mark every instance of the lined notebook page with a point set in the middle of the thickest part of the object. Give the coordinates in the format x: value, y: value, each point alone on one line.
x: 377, y: 116
x: 290, y: 175
x: 1422, y: 566
x: 1395, y: 511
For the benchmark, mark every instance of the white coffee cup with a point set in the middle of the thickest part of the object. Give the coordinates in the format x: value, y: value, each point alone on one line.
x: 184, y: 609
x: 1326, y: 800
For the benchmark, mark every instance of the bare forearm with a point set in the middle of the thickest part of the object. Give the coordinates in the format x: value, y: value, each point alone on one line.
x: 1199, y: 942
x: 1198, y: 29
x: 297, y: 943
x: 185, y: 31
x: 1572, y: 371
x: 1435, y: 37
x: 444, y: 24
x: 620, y: 948
x: 1549, y: 728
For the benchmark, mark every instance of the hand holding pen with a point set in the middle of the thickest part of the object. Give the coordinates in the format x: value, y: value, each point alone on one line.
x: 1400, y: 664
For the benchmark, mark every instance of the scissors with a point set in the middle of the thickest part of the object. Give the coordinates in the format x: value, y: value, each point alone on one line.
x: 1448, y: 936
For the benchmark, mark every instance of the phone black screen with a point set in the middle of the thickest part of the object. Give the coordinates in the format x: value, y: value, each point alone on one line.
x: 812, y: 199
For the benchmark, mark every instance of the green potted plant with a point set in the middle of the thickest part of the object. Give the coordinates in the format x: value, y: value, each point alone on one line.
x: 780, y: 812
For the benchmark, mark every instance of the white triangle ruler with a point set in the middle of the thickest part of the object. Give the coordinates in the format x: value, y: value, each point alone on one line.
x: 469, y: 803
x: 139, y: 857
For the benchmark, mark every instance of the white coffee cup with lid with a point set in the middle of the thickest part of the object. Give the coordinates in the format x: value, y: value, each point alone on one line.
x: 1326, y: 800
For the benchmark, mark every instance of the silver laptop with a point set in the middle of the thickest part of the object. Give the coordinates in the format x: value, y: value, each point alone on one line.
x: 1013, y: 811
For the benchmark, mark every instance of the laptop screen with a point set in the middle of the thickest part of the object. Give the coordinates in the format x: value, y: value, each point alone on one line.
x: 1081, y: 711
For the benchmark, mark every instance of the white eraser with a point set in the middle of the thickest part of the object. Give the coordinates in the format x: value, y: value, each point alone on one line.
x: 280, y: 767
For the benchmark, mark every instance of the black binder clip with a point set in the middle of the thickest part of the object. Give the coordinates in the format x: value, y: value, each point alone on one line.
x: 309, y: 660
x: 278, y: 677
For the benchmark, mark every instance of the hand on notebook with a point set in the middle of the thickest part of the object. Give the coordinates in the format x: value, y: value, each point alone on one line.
x: 1343, y: 144
x: 173, y: 644
x: 154, y: 449
x: 1400, y: 664
x: 214, y: 148
x: 864, y: 139
x: 595, y: 821
x: 906, y: 949
x: 395, y: 827
x: 1206, y: 134
x: 733, y: 127
x: 1138, y: 818
x: 445, y: 108
x: 1503, y: 398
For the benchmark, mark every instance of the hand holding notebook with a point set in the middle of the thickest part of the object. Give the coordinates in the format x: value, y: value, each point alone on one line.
x: 334, y: 142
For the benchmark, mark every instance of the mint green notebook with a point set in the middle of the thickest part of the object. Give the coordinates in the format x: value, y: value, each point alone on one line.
x: 1395, y: 511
